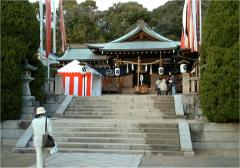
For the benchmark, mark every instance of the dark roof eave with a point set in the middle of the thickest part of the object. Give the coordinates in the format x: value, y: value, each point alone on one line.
x: 134, y: 49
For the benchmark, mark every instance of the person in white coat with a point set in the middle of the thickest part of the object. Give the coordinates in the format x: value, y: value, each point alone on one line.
x: 163, y: 87
x: 38, y: 125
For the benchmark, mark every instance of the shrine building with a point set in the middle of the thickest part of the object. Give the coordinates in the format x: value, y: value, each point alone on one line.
x: 132, y: 63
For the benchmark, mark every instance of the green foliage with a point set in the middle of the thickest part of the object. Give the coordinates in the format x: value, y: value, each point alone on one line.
x: 219, y: 85
x: 81, y: 23
x: 19, y: 40
x: 167, y: 19
x: 121, y: 17
x: 39, y: 78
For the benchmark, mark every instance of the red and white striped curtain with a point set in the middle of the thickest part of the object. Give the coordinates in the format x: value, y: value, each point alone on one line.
x: 191, y: 22
x: 48, y: 26
x: 77, y: 84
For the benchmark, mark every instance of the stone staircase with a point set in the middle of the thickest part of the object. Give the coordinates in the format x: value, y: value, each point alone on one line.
x: 119, y: 124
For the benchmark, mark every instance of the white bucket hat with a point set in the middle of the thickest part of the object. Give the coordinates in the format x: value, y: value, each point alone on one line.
x: 41, y: 110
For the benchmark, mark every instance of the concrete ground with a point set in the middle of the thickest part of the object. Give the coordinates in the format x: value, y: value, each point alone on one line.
x: 203, y: 158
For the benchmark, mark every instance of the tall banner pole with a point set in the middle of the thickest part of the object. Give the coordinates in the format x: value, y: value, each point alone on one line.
x: 200, y: 20
x: 41, y: 27
x: 48, y: 34
x: 200, y: 41
x: 54, y: 26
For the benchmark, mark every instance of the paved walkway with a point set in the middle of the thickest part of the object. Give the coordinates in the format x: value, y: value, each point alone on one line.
x: 92, y: 160
x: 204, y: 158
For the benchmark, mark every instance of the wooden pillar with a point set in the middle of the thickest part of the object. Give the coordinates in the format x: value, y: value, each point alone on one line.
x: 185, y: 83
x: 138, y: 72
x: 193, y: 86
x: 59, y: 84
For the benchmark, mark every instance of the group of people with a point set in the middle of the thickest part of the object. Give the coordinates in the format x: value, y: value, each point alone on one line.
x: 166, y: 86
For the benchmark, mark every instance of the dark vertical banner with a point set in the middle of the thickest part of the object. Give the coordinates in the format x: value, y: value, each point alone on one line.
x: 62, y: 27
x: 48, y: 26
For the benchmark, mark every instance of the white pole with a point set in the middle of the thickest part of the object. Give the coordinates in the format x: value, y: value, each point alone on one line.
x: 200, y: 20
x: 200, y: 41
x: 41, y: 27
x: 54, y: 27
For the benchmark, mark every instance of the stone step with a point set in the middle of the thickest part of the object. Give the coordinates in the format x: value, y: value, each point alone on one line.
x: 116, y: 129
x: 119, y: 146
x: 124, y: 106
x: 78, y: 123
x: 109, y: 111
x: 115, y: 114
x: 112, y: 117
x: 117, y: 140
x: 116, y: 101
x: 119, y: 151
x: 117, y: 134
x: 112, y: 111
x: 82, y: 108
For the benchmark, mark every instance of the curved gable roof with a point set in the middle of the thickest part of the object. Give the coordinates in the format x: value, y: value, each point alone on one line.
x: 145, y: 28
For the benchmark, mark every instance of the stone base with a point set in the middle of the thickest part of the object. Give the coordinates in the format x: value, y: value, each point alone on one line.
x: 188, y: 154
x: 29, y: 98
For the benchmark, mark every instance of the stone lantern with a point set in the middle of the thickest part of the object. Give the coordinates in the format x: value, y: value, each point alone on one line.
x: 28, y: 99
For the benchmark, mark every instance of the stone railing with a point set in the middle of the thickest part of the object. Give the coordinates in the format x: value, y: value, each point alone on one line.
x: 54, y: 85
x: 190, y: 84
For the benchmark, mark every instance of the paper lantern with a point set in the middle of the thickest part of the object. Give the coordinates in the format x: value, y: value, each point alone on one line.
x: 84, y: 70
x: 132, y: 67
x: 183, y: 68
x: 160, y: 70
x: 141, y: 79
x: 127, y: 71
x: 150, y: 69
x: 146, y: 68
x: 117, y: 71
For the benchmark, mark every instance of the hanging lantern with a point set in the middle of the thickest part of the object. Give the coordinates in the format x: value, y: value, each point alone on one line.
x: 84, y: 70
x: 117, y: 71
x: 141, y: 79
x: 146, y: 68
x: 150, y: 69
x: 173, y: 51
x: 132, y: 67
x: 107, y: 61
x: 127, y: 71
x: 115, y: 64
x: 183, y: 68
x: 160, y: 70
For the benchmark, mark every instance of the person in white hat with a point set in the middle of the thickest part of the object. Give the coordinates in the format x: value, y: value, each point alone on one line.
x: 38, y: 125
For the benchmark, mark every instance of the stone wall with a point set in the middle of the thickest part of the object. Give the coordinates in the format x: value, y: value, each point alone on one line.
x: 52, y: 102
x: 215, y: 135
x: 191, y: 106
x: 12, y: 130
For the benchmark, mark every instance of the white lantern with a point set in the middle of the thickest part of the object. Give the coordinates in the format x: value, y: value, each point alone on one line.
x: 132, y: 67
x: 127, y: 71
x: 141, y: 79
x: 146, y: 68
x: 183, y: 68
x: 84, y: 69
x: 117, y: 71
x: 161, y: 70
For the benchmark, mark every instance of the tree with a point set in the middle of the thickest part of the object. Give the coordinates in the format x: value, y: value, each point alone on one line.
x: 81, y: 23
x: 219, y: 85
x: 20, y: 40
x: 121, y: 17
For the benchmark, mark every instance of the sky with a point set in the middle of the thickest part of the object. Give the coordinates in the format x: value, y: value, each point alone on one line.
x: 105, y: 4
